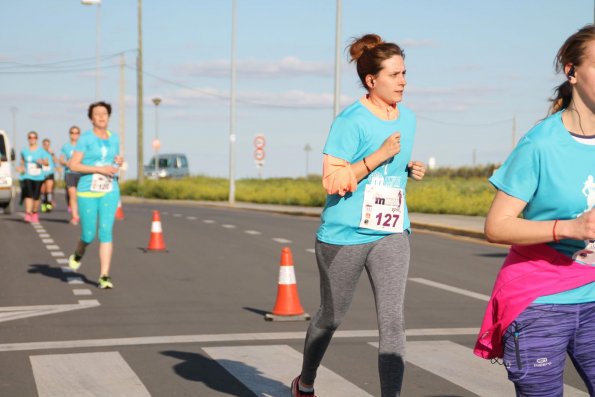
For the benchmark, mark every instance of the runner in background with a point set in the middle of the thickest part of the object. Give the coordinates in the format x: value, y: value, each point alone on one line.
x: 33, y: 158
x: 47, y: 187
x: 71, y: 178
x: 97, y: 157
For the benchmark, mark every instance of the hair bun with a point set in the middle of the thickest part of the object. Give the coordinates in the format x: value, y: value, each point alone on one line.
x: 361, y: 44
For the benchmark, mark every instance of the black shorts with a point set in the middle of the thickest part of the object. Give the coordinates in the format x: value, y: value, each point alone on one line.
x: 72, y: 179
x: 32, y: 189
x: 49, y: 177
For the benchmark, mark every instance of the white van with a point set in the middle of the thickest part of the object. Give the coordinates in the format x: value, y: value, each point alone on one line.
x: 7, y: 190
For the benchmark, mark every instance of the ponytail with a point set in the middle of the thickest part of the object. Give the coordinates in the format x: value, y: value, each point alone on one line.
x: 562, y: 97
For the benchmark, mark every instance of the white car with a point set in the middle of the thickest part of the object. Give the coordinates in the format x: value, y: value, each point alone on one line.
x: 7, y: 190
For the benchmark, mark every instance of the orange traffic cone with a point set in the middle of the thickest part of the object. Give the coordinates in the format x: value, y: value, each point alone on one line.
x: 156, y: 242
x: 287, y: 306
x: 119, y: 211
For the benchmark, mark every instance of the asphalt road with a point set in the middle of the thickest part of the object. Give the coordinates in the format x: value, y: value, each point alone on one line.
x: 189, y: 321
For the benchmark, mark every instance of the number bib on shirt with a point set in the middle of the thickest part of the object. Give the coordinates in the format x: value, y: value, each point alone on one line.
x: 45, y: 168
x: 33, y: 169
x: 101, y: 183
x: 382, y: 209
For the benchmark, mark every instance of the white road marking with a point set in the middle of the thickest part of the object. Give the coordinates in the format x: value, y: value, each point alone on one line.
x: 191, y: 218
x: 252, y: 232
x: 310, y: 250
x: 281, y: 240
x: 17, y: 312
x: 63, y: 261
x: 52, y: 247
x: 227, y: 226
x: 177, y: 215
x: 47, y: 240
x: 86, y: 374
x: 208, y: 221
x: 460, y: 366
x: 82, y: 292
x: 266, y: 371
x: 450, y: 288
x: 207, y: 338
x: 57, y: 253
x: 44, y: 235
x: 74, y: 280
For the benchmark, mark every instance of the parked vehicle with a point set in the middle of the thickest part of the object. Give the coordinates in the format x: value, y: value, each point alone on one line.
x: 7, y: 190
x: 170, y: 165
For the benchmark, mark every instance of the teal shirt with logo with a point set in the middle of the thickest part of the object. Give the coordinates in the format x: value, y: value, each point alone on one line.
x: 550, y: 171
x: 356, y: 133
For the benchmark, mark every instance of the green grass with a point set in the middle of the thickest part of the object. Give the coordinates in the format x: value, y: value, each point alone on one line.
x: 463, y: 191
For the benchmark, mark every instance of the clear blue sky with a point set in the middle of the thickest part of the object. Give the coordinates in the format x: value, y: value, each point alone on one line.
x: 471, y: 65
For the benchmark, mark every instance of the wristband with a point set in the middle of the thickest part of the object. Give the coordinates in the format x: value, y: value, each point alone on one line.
x: 554, y: 232
x: 366, y: 165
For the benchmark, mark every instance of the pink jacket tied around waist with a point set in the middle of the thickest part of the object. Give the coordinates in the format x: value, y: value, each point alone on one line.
x: 527, y: 273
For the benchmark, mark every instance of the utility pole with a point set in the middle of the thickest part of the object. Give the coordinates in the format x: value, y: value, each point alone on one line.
x: 513, y: 131
x: 232, y: 107
x: 337, y: 100
x: 139, y: 100
x: 14, y: 129
x: 122, y: 116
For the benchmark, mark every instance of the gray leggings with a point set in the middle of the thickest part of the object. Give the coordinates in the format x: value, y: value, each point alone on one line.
x: 387, y: 263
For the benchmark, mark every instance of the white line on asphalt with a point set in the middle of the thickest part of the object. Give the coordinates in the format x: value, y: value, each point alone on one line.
x: 74, y: 280
x: 450, y: 288
x: 191, y: 218
x: 45, y: 235
x: 228, y: 226
x: 82, y: 292
x: 17, y: 312
x: 310, y: 250
x: 153, y: 340
x: 453, y: 362
x: 253, y: 232
x: 52, y: 247
x: 86, y: 374
x: 266, y: 370
x: 47, y: 240
x: 209, y: 221
x: 57, y: 253
x: 62, y: 261
x: 177, y: 215
x: 281, y: 240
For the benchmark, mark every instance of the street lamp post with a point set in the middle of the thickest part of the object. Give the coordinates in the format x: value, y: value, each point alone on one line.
x: 232, y: 106
x: 156, y: 143
x: 139, y: 98
x: 98, y: 41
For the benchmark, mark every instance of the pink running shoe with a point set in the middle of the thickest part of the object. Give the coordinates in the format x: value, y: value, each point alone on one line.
x: 27, y: 218
x: 295, y: 389
x: 35, y: 217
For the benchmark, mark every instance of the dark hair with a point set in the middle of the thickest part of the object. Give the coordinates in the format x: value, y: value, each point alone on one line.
x: 97, y: 104
x: 368, y: 52
x: 46, y: 140
x: 73, y: 127
x: 572, y: 52
x: 34, y: 133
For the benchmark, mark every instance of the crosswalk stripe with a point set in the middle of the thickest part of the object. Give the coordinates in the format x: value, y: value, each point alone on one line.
x: 86, y: 374
x: 460, y: 366
x: 267, y: 371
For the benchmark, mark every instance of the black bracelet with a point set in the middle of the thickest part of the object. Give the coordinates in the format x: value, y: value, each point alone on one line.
x: 366, y: 164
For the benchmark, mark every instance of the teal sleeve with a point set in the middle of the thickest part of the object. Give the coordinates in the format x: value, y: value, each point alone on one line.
x: 519, y: 175
x: 343, y: 140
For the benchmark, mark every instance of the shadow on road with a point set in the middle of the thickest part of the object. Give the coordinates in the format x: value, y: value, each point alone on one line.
x: 198, y: 368
x: 494, y: 255
x: 58, y: 273
x: 255, y: 310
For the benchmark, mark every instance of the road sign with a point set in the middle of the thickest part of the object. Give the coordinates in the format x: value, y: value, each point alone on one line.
x: 259, y: 154
x: 259, y: 141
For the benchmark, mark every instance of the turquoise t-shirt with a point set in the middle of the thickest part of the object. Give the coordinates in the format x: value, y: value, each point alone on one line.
x: 51, y: 167
x: 96, y: 152
x: 355, y: 134
x: 33, y: 170
x: 67, y: 150
x: 553, y: 174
